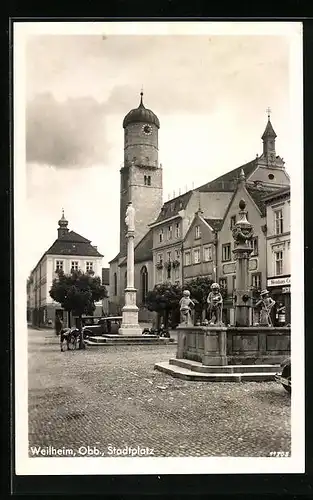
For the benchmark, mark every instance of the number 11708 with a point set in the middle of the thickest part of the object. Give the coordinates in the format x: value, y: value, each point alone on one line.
x: 279, y: 454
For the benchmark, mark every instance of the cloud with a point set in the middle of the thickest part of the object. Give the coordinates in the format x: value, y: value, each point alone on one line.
x: 69, y: 133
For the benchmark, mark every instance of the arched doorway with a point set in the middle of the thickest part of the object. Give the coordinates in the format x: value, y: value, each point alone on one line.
x: 144, y: 283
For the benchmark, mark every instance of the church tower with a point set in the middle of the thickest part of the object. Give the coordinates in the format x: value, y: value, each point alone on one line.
x: 141, y: 175
x: 63, y: 229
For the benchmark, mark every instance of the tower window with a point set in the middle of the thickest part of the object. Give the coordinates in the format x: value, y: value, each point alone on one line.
x: 147, y: 180
x: 271, y: 176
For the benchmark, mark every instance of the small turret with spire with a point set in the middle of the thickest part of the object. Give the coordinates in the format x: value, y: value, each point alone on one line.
x: 268, y: 137
x: 63, y: 223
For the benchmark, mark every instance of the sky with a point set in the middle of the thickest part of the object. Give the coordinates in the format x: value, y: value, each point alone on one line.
x: 210, y: 93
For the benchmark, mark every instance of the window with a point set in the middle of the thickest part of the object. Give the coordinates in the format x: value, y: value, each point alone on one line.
x: 278, y: 263
x: 207, y: 253
x: 115, y: 283
x: 187, y: 258
x: 223, y: 283
x: 226, y: 252
x: 170, y: 232
x: 177, y: 230
x: 234, y: 283
x: 89, y: 266
x: 255, y: 246
x: 159, y: 275
x: 161, y: 236
x: 196, y: 255
x: 169, y: 256
x: 147, y: 180
x: 176, y: 273
x: 197, y: 232
x: 74, y: 265
x: 278, y: 216
x: 232, y: 221
x: 59, y: 265
x: 177, y: 254
x: 256, y: 281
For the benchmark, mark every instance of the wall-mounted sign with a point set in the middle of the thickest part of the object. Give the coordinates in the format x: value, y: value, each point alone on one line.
x: 283, y: 281
x: 285, y: 289
x: 229, y: 268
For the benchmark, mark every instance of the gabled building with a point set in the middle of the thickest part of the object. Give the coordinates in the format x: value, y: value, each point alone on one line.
x: 278, y: 241
x: 200, y: 248
x: 70, y: 251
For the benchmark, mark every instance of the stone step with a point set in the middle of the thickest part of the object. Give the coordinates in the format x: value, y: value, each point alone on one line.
x: 199, y: 367
x: 130, y: 341
x: 186, y: 374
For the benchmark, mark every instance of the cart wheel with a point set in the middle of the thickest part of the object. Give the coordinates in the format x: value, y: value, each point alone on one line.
x: 72, y: 342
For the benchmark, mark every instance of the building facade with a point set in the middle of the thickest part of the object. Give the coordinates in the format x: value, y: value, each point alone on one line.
x: 278, y: 245
x: 70, y: 251
x: 161, y: 229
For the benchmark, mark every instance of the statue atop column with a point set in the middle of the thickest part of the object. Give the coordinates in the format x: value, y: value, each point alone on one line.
x: 130, y: 217
x: 185, y: 308
x: 215, y: 305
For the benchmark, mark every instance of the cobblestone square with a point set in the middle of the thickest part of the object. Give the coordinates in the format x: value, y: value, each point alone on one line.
x: 108, y: 397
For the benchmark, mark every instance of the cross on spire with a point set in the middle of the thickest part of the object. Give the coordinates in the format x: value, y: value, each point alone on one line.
x: 268, y: 112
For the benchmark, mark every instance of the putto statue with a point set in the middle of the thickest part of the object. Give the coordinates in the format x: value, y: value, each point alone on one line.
x: 215, y: 305
x: 266, y: 303
x: 185, y: 308
x: 130, y: 217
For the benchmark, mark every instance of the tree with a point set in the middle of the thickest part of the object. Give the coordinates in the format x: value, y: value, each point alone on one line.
x: 164, y: 299
x: 77, y: 292
x: 199, y: 288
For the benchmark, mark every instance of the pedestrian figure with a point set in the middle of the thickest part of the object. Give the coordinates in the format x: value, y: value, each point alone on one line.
x: 266, y: 304
x: 58, y: 325
x: 185, y: 307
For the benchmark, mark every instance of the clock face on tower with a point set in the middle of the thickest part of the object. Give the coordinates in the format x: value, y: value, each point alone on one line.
x: 147, y: 129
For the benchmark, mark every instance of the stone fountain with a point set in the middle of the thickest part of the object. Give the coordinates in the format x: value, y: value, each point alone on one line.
x: 238, y: 353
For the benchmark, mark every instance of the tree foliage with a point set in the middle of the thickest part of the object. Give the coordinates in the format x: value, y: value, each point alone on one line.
x: 164, y: 299
x: 199, y: 288
x: 77, y: 292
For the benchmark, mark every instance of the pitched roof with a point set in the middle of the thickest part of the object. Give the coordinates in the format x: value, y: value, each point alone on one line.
x: 105, y: 275
x: 277, y: 193
x: 258, y: 194
x: 143, y: 249
x: 115, y: 258
x: 214, y: 223
x: 172, y: 207
x: 228, y: 181
x: 73, y: 244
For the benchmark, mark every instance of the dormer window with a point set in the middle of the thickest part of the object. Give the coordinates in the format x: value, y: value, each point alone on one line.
x: 197, y: 232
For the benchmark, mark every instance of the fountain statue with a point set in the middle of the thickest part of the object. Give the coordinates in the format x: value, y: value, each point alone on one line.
x: 215, y: 305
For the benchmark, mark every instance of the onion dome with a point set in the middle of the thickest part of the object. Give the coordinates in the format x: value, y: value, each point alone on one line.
x: 63, y: 222
x: 141, y: 114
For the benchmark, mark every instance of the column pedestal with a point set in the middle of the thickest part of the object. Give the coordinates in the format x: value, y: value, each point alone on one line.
x: 130, y: 325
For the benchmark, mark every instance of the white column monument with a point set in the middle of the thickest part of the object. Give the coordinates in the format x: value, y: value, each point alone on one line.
x: 130, y: 325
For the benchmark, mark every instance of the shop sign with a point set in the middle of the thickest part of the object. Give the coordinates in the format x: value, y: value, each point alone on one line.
x: 279, y: 281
